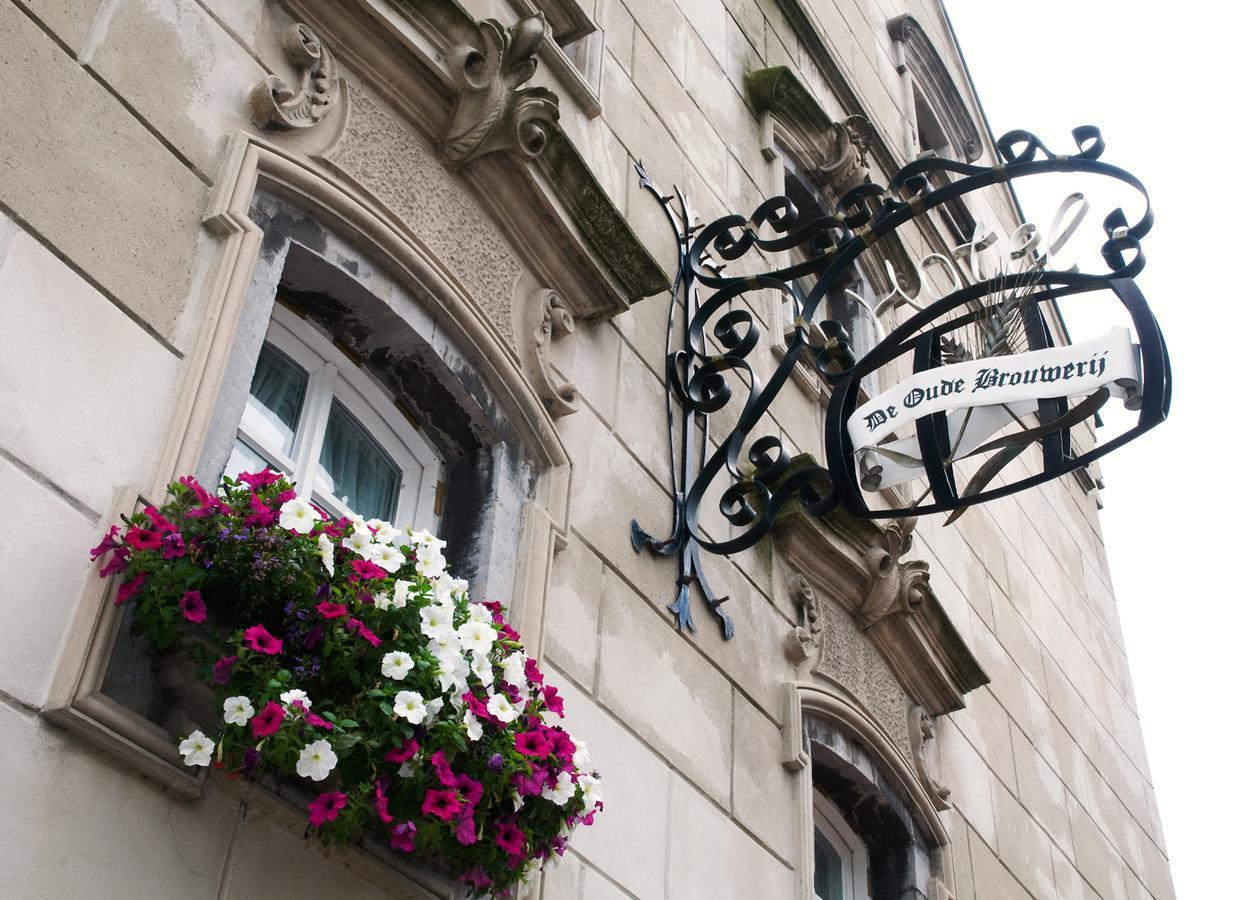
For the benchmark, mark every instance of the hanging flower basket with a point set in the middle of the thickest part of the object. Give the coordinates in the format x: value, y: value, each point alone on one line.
x: 354, y: 661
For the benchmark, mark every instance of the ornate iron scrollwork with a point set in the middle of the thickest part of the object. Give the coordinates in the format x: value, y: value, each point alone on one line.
x: 717, y: 337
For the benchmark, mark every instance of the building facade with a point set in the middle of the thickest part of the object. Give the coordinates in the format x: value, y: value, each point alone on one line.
x: 425, y: 216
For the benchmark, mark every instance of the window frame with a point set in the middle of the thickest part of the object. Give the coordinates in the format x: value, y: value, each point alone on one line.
x: 829, y: 824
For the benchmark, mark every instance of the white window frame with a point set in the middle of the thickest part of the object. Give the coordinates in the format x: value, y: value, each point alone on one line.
x: 333, y: 374
x: 830, y: 825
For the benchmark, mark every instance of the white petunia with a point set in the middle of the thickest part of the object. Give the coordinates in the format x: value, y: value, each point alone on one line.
x: 501, y: 709
x: 298, y: 515
x: 429, y: 561
x: 432, y: 708
x: 406, y: 770
x: 425, y: 538
x: 360, y: 542
x: 385, y: 533
x: 581, y: 754
x: 458, y: 586
x: 316, y: 760
x: 482, y: 669
x: 390, y: 558
x: 477, y: 637
x: 479, y: 612
x: 517, y: 801
x: 402, y: 592
x: 197, y: 749
x: 396, y: 665
x: 563, y: 791
x: 472, y: 725
x: 237, y: 710
x: 297, y: 695
x: 514, y: 670
x: 590, y: 794
x: 452, y: 672
x: 410, y: 706
x: 445, y: 643
x: 326, y: 552
x: 437, y: 619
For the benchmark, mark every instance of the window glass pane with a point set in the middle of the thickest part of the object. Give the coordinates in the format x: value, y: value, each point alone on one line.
x: 275, y: 400
x: 354, y: 469
x: 245, y: 459
x: 828, y: 870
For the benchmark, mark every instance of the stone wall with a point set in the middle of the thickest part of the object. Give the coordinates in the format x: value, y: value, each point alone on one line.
x: 117, y: 116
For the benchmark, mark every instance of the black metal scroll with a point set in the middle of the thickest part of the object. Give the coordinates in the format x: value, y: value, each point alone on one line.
x: 760, y: 475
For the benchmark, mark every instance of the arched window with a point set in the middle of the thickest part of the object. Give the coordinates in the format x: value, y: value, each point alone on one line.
x: 840, y: 861
x: 316, y: 415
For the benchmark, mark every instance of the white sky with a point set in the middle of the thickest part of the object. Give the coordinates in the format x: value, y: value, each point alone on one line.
x: 1171, y: 86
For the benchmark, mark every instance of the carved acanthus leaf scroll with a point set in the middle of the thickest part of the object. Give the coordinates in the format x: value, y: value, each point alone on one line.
x: 895, y: 586
x: 802, y: 641
x: 846, y: 166
x: 548, y: 319
x: 275, y: 106
x: 493, y: 111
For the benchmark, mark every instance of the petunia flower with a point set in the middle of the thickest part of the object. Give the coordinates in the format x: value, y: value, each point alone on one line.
x: 325, y: 807
x: 465, y: 827
x: 327, y: 553
x: 410, y: 706
x: 197, y: 749
x: 533, y: 743
x: 259, y: 479
x: 258, y: 638
x: 297, y: 515
x: 552, y: 699
x: 513, y: 667
x: 477, y: 637
x: 237, y: 710
x: 330, y: 610
x: 442, y: 804
x: 316, y: 760
x: 130, y: 588
x: 261, y: 515
x: 268, y: 720
x: 295, y: 695
x: 366, y: 570
x: 472, y: 725
x: 563, y: 791
x: 403, y: 837
x: 316, y: 721
x: 501, y: 709
x: 476, y: 877
x: 193, y: 606
x: 409, y: 748
x: 469, y: 788
x: 143, y: 538
x: 510, y: 838
x: 532, y: 672
x: 223, y: 670
x: 117, y: 563
x: 396, y: 665
x: 111, y: 541
x: 390, y: 559
x: 354, y: 626
x: 172, y: 545
x: 381, y: 802
x: 442, y: 768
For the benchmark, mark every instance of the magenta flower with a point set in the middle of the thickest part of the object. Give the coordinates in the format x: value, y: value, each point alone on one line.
x: 561, y: 745
x: 160, y: 523
x: 532, y: 672
x: 442, y: 768
x: 262, y: 514
x: 382, y: 803
x: 143, y: 538
x: 117, y: 563
x: 259, y: 639
x: 317, y: 721
x: 325, y: 807
x: 533, y: 743
x: 367, y: 570
x: 510, y: 838
x: 193, y: 606
x: 470, y: 788
x: 476, y: 877
x: 465, y: 827
x: 268, y: 721
x: 554, y: 702
x: 109, y: 542
x: 443, y: 804
x: 223, y: 670
x: 409, y: 748
x: 354, y: 626
x: 330, y: 610
x: 259, y: 479
x: 531, y: 784
x: 129, y: 588
x: 477, y: 705
x: 172, y: 545
x: 403, y: 837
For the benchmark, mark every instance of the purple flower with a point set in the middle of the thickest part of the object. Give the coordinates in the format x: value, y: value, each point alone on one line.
x: 495, y: 762
x: 193, y: 606
x: 253, y: 756
x: 223, y: 670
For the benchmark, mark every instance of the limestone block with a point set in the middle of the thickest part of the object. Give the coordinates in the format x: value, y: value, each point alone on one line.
x: 85, y: 175
x: 595, y: 887
x: 43, y: 587
x: 1070, y: 709
x: 1068, y: 883
x: 960, y: 836
x: 245, y: 18
x: 1023, y: 846
x: 640, y: 414
x: 628, y: 841
x: 86, y: 392
x: 1136, y: 890
x: 664, y: 26
x: 181, y: 72
x: 745, y: 26
x: 265, y: 850
x: 572, y: 612
x: 1042, y: 792
x: 987, y: 725
x: 1155, y: 872
x: 766, y: 795
x: 1094, y: 856
x: 1008, y: 683
x: 70, y: 20
x: 993, y: 881
x: 965, y: 771
x: 676, y: 700
x: 1018, y: 640
x: 562, y: 879
x: 716, y: 94
x: 713, y: 857
x: 89, y: 825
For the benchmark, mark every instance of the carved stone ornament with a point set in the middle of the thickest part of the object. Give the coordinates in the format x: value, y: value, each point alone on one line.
x: 895, y: 586
x: 926, y: 753
x: 802, y: 642
x: 548, y: 319
x: 846, y: 167
x: 493, y: 112
x: 275, y: 106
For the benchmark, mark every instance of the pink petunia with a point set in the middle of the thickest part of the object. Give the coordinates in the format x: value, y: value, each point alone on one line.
x: 532, y: 672
x: 367, y: 570
x: 561, y: 745
x: 193, y: 606
x: 381, y: 802
x: 161, y: 524
x: 143, y: 538
x: 408, y: 749
x: 259, y: 479
x: 554, y: 702
x: 533, y: 743
x: 442, y: 768
x: 325, y: 807
x: 318, y: 721
x: 109, y: 542
x: 223, y: 670
x: 442, y: 804
x: 259, y: 639
x: 130, y: 588
x: 172, y: 545
x: 465, y: 827
x: 510, y: 838
x: 261, y: 514
x: 476, y: 877
x: 532, y: 784
x: 268, y: 720
x: 330, y: 610
x: 354, y: 626
x: 470, y: 788
x: 117, y: 563
x: 477, y: 706
x: 403, y: 837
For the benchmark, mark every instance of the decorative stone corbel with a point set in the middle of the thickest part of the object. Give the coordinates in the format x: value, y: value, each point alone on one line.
x: 493, y: 111
x: 548, y: 319
x: 895, y: 586
x: 802, y: 641
x: 846, y: 166
x: 922, y: 732
x: 275, y: 106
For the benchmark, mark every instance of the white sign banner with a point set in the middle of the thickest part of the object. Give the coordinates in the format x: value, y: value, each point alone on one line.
x: 1016, y: 381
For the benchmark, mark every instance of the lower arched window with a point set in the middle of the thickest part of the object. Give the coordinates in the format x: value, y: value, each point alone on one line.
x: 840, y: 861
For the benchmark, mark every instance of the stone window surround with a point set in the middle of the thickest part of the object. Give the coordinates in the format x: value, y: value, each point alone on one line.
x: 254, y: 165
